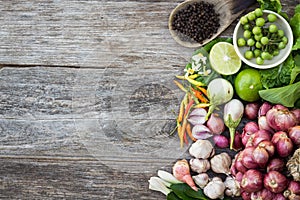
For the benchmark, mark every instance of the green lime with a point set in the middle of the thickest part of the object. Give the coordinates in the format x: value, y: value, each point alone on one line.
x: 223, y: 59
x: 247, y: 84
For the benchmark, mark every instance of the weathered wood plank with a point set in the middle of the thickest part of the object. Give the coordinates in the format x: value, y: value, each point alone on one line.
x: 91, y: 33
x: 121, y: 118
x: 62, y: 179
x: 87, y: 33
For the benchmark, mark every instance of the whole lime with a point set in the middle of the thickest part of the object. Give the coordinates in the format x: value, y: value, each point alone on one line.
x: 247, y: 84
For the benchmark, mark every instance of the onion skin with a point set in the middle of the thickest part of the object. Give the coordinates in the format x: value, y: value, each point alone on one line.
x: 280, y: 120
x: 276, y: 164
x: 263, y: 194
x: 252, y: 181
x: 275, y: 181
x: 294, y: 134
x: 251, y: 110
x: 264, y: 108
x: 215, y: 124
x: 261, y: 156
x: 247, y: 158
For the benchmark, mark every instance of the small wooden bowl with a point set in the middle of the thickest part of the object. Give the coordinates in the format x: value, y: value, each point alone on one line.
x: 223, y: 8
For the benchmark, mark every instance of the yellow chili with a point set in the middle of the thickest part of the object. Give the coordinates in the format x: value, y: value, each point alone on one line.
x: 180, y: 86
x: 194, y: 82
x: 193, y: 76
x: 202, y: 105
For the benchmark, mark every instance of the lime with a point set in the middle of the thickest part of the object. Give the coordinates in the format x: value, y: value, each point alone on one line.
x: 247, y: 84
x: 223, y: 58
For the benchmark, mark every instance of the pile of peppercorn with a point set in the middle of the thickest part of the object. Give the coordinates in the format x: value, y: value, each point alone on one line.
x: 196, y: 22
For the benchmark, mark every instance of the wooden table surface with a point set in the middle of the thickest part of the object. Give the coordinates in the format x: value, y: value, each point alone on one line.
x: 86, y: 97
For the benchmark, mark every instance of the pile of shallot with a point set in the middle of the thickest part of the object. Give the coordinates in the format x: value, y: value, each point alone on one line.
x: 269, y: 140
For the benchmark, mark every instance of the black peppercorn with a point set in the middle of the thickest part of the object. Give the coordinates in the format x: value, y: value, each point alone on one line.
x: 196, y: 22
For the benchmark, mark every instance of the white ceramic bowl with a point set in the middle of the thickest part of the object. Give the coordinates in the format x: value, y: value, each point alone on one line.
x: 277, y: 60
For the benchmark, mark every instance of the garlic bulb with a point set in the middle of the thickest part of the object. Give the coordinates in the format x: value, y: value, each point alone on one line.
x: 293, y: 165
x: 202, y: 149
x: 221, y: 163
x: 232, y: 187
x: 201, y: 180
x: 215, y: 189
x: 199, y: 165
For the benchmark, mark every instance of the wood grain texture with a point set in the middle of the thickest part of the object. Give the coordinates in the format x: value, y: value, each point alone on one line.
x: 86, y: 97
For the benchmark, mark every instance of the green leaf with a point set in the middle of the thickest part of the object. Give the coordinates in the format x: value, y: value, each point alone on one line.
x: 297, y: 9
x: 185, y: 192
x: 296, y: 46
x: 296, y: 70
x: 172, y: 196
x: 295, y: 25
x: 273, y: 5
x: 286, y: 95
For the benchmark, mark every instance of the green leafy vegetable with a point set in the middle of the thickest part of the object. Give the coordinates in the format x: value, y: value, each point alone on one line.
x: 185, y: 192
x: 286, y: 95
x: 172, y: 196
x: 278, y: 76
x: 295, y: 22
x: 273, y: 5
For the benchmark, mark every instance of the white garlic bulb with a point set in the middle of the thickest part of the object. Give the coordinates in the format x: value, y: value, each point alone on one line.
x: 221, y: 163
x: 232, y: 187
x: 202, y: 149
x: 199, y: 165
x: 201, y: 179
x: 215, y: 189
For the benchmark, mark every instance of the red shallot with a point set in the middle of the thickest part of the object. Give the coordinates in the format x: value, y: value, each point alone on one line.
x: 269, y: 146
x: 246, y: 195
x: 238, y: 163
x: 293, y: 191
x: 249, y: 129
x: 280, y: 120
x: 247, y: 158
x: 263, y: 124
x: 294, y: 134
x: 221, y: 141
x: 215, y: 124
x: 264, y: 108
x: 279, y: 196
x: 275, y: 181
x: 251, y: 110
x: 297, y: 114
x: 276, y: 164
x: 261, y: 156
x: 263, y: 194
x: 252, y: 181
x: 283, y: 144
x: 259, y: 136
